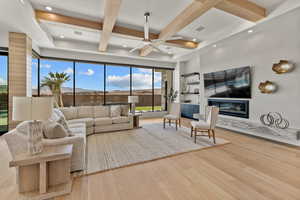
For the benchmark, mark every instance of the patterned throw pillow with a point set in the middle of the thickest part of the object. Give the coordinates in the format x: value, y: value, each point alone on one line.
x: 64, y: 123
x: 115, y: 111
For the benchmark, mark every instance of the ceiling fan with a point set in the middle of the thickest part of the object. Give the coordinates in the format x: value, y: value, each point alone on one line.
x: 153, y: 43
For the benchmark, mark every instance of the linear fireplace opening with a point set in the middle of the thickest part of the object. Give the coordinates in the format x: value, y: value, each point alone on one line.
x: 235, y: 108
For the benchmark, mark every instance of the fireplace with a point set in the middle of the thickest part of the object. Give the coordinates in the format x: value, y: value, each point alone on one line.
x: 235, y: 108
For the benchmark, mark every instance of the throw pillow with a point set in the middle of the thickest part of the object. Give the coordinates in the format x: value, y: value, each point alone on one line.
x: 64, y: 123
x: 115, y: 111
x: 55, y: 130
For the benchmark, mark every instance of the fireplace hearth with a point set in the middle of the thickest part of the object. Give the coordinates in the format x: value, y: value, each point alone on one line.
x: 235, y: 108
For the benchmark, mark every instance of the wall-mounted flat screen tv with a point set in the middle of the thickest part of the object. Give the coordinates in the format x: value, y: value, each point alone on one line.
x: 232, y: 83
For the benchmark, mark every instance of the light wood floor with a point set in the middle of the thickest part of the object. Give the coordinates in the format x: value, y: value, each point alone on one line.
x: 248, y: 168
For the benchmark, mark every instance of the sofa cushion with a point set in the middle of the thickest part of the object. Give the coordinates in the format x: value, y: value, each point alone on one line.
x: 78, y: 128
x: 89, y: 122
x: 124, y: 110
x: 115, y: 111
x: 65, y: 124
x: 120, y: 120
x: 85, y: 112
x: 69, y: 112
x: 55, y: 130
x: 103, y: 121
x: 101, y: 111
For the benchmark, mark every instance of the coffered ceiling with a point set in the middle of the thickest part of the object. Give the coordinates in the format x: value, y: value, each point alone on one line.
x: 212, y: 25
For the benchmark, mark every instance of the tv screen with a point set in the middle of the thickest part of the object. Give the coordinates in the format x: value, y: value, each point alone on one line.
x: 232, y: 83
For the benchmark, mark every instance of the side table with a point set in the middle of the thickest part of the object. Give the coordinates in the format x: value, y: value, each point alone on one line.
x: 45, y: 175
x: 136, y: 121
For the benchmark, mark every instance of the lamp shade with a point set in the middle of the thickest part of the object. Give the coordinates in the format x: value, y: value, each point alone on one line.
x: 32, y: 108
x: 133, y: 99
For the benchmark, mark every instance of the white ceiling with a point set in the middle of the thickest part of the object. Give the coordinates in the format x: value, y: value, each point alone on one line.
x: 217, y: 24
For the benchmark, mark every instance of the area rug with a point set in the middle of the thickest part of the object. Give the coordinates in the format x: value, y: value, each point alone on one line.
x: 107, y: 151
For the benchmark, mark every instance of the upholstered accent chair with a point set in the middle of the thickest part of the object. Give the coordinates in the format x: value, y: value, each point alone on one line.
x: 173, y: 115
x: 208, y: 125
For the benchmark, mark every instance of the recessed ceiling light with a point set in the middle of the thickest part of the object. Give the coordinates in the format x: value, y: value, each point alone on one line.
x: 48, y: 8
x: 22, y: 1
x: 250, y: 31
x: 195, y: 40
x: 62, y: 36
x: 214, y: 45
x: 124, y: 45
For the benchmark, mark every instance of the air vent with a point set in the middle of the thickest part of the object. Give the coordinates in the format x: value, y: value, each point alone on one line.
x: 200, y: 28
x: 77, y: 32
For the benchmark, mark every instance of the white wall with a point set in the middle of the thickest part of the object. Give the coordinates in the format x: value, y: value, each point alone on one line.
x: 271, y: 41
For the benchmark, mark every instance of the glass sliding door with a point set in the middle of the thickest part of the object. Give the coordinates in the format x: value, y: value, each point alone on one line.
x: 3, y: 93
x: 142, y: 87
x: 89, y: 84
x: 162, y: 87
x: 117, y: 84
x: 52, y: 73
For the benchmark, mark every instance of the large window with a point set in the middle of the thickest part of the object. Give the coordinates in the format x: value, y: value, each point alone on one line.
x: 117, y: 84
x: 142, y: 87
x: 89, y: 84
x: 34, y: 76
x: 86, y: 83
x: 57, y: 80
x: 3, y: 93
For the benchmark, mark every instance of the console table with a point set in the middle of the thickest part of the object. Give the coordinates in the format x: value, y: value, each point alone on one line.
x: 45, y: 175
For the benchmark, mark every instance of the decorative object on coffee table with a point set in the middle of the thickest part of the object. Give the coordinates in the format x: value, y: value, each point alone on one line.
x: 274, y: 119
x: 267, y: 87
x: 133, y: 100
x: 282, y: 67
x: 33, y: 109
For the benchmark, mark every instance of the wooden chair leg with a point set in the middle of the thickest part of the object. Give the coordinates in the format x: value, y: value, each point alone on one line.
x: 214, y: 136
x: 195, y: 135
x: 164, y: 122
x: 169, y: 122
x: 192, y: 131
x: 208, y: 134
x: 180, y: 122
x: 176, y: 121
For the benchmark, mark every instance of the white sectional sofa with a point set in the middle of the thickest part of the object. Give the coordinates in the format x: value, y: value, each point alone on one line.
x: 99, y: 119
x: 83, y: 121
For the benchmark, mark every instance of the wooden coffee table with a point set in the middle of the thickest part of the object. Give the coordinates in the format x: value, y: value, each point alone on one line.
x: 45, y: 175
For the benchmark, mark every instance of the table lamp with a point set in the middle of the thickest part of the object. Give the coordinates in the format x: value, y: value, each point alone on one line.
x: 35, y: 110
x: 133, y: 100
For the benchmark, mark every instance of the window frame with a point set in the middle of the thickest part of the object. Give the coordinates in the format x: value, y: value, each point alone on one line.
x: 74, y: 61
x: 4, y: 52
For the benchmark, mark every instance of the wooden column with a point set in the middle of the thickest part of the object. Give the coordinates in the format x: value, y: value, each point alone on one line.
x: 20, y: 55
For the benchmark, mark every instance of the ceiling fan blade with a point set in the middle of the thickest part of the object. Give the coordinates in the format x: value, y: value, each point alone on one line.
x: 171, y: 38
x: 146, y: 26
x: 137, y: 47
x: 158, y: 49
x: 174, y: 38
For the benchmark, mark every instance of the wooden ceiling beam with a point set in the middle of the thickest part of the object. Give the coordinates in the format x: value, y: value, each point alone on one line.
x: 58, y: 18
x: 242, y: 8
x: 187, y: 16
x: 111, y: 12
